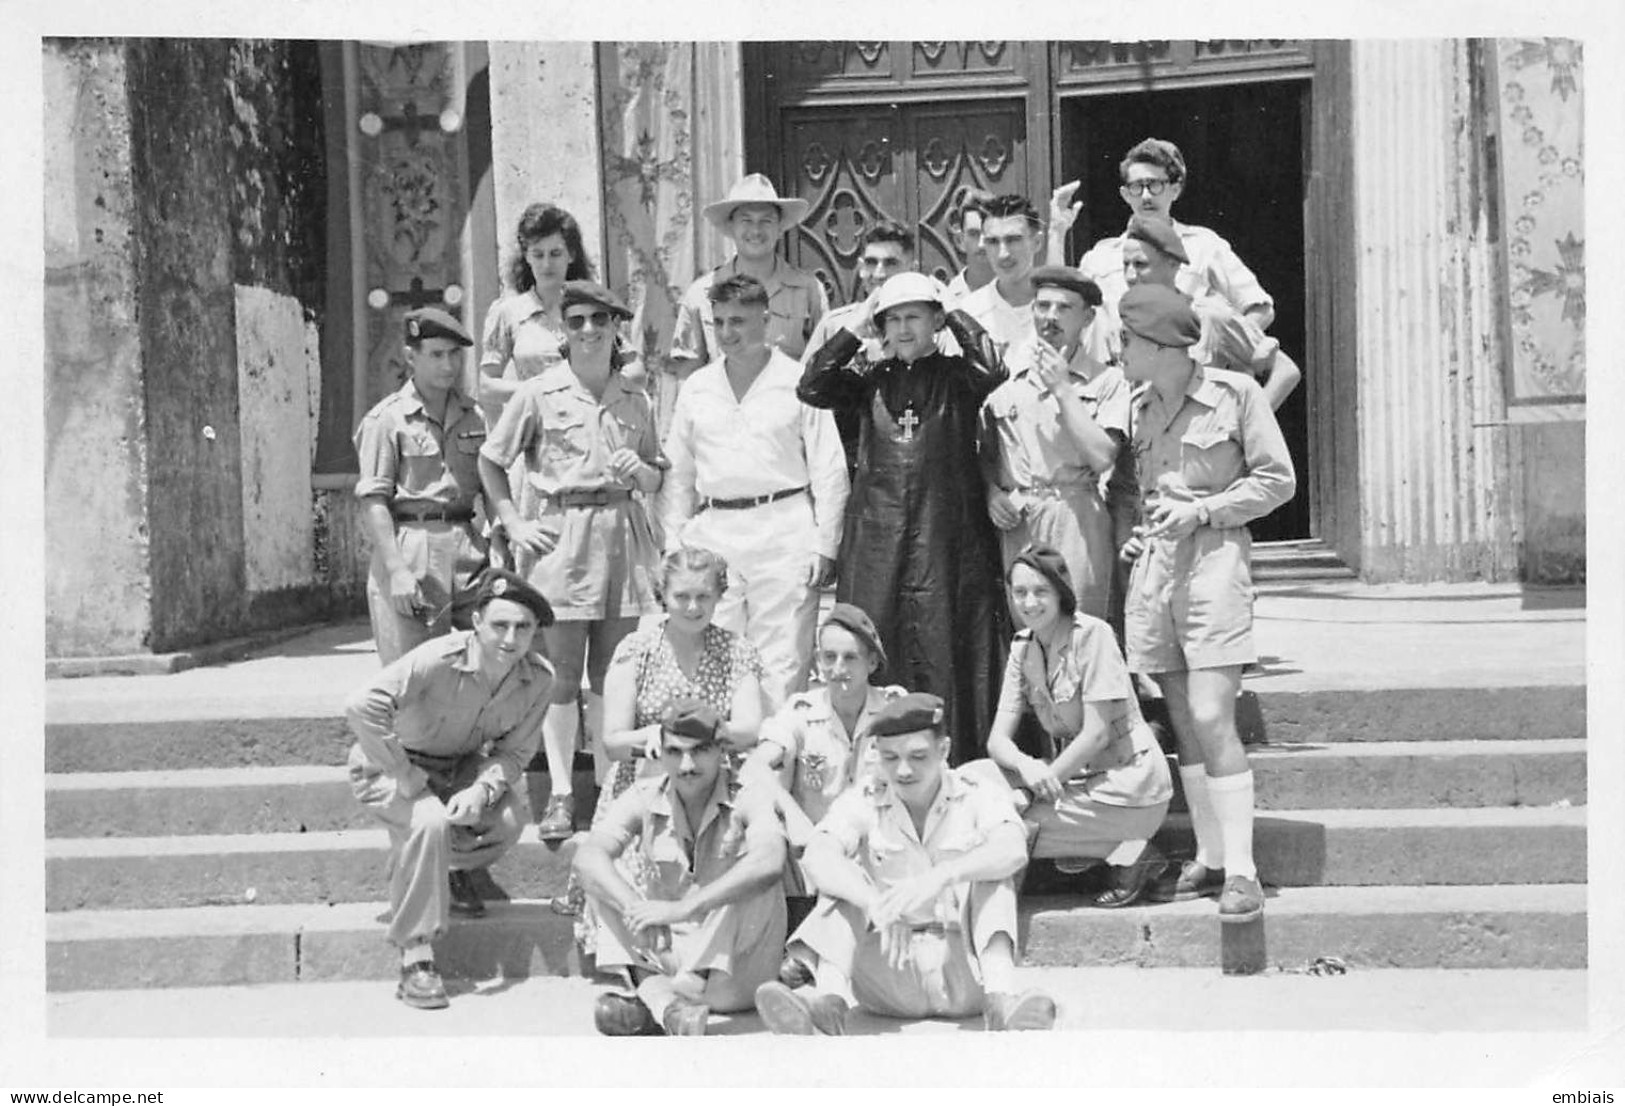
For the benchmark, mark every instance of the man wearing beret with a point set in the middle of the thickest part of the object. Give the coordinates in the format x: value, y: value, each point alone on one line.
x: 755, y: 218
x: 684, y: 880
x: 1209, y: 458
x: 1153, y: 252
x: 1051, y: 433
x: 818, y: 743
x: 442, y: 739
x: 916, y: 872
x: 418, y: 451
x: 1154, y: 176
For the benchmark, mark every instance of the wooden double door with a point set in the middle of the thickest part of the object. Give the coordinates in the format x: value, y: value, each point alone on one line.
x: 865, y: 131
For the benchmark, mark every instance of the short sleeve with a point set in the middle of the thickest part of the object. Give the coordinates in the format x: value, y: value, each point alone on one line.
x: 1111, y: 410
x: 376, y: 457
x: 623, y: 820
x: 496, y: 345
x: 1013, y: 693
x: 848, y: 819
x: 744, y: 660
x: 992, y: 806
x: 516, y: 428
x: 1101, y: 672
x: 783, y: 729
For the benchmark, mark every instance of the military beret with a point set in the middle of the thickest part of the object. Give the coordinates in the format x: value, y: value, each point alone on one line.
x: 431, y: 322
x: 578, y: 292
x: 1063, y: 276
x: 499, y: 583
x: 908, y: 713
x: 691, y: 718
x: 857, y: 622
x: 1158, y: 233
x: 1159, y: 314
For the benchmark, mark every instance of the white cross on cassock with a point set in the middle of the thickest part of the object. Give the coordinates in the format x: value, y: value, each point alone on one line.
x: 908, y: 422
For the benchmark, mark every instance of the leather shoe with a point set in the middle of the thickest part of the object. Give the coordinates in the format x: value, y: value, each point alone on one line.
x: 421, y: 987
x: 1194, y: 881
x: 623, y: 1016
x: 685, y: 1019
x: 794, y: 972
x: 465, y: 899
x: 1130, y: 881
x: 797, y: 1013
x: 1007, y: 1013
x: 558, y: 822
x: 1241, y: 901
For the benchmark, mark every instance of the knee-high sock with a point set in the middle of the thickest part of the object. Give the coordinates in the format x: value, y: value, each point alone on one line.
x: 1232, y: 798
x: 1209, y: 843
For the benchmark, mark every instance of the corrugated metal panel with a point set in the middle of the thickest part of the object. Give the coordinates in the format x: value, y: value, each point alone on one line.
x: 1434, y: 475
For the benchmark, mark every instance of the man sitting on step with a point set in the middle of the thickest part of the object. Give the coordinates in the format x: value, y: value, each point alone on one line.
x: 916, y: 871
x: 684, y: 881
x: 442, y: 739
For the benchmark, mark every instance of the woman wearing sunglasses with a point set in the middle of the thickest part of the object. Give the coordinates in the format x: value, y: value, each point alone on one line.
x: 1153, y: 174
x: 587, y: 437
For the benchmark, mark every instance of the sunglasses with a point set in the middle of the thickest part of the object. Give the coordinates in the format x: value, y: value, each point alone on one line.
x: 1141, y: 187
x: 600, y: 319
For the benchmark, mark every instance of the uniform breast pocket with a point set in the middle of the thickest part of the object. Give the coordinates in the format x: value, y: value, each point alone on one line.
x: 564, y: 437
x: 669, y: 861
x: 469, y: 444
x: 422, y: 463
x: 1210, y: 456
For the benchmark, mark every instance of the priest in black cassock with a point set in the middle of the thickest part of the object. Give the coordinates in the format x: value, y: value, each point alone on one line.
x: 918, y: 552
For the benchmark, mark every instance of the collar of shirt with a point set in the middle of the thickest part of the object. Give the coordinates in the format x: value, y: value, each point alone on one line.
x: 1080, y: 364
x: 529, y: 305
x: 781, y: 370
x: 455, y: 400
x: 888, y: 805
x: 561, y: 378
x: 463, y: 645
x: 1202, y: 388
x: 783, y: 274
x: 821, y: 707
x: 661, y: 806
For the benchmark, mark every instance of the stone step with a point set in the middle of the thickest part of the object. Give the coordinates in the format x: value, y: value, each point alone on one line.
x: 313, y: 798
x: 83, y: 873
x: 282, y: 799
x: 1484, y: 845
x: 140, y: 743
x: 1368, y: 927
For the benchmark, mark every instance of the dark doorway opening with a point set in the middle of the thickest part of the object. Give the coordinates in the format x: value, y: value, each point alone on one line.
x: 1244, y: 156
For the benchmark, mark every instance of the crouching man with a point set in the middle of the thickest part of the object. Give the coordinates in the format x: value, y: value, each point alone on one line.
x: 442, y: 739
x: 917, y: 911
x: 693, y: 913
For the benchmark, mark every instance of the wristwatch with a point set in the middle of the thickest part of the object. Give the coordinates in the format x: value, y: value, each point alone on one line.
x: 1202, y: 513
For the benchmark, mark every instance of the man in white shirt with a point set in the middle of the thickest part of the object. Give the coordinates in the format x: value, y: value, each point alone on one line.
x: 965, y: 226
x: 760, y: 478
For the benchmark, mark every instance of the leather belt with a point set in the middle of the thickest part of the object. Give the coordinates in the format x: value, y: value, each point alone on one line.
x: 433, y: 514
x: 590, y: 497
x: 749, y: 501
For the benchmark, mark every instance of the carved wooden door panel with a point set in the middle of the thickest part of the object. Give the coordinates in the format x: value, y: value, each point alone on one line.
x: 839, y: 160
x: 979, y: 143
x: 859, y: 164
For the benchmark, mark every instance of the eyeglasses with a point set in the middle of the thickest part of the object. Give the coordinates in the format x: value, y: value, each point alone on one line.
x: 600, y: 319
x: 1141, y: 187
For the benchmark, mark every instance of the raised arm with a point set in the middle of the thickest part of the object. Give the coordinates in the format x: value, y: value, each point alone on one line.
x: 986, y: 367
x: 829, y: 379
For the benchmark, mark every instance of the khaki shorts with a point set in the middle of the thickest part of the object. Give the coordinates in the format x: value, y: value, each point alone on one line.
x: 1190, y: 604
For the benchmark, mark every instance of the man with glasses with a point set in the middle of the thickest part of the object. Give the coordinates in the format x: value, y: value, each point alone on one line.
x: 759, y: 478
x: 755, y: 218
x: 418, y: 455
x: 1154, y: 175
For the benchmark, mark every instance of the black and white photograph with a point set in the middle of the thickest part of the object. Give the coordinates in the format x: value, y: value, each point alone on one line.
x: 1059, y: 560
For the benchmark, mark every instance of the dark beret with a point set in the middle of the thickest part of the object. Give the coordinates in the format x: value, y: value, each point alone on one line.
x: 691, y: 718
x: 1159, y: 314
x: 431, y: 322
x: 857, y: 622
x: 499, y: 583
x: 578, y: 292
x: 1063, y: 276
x: 1159, y: 233
x: 1049, y: 564
x: 908, y: 713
